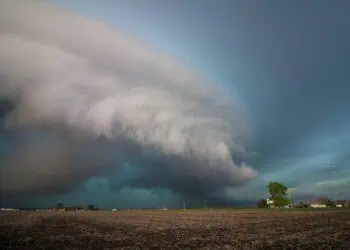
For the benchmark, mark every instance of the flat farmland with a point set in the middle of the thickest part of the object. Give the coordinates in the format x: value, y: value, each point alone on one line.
x: 216, y: 229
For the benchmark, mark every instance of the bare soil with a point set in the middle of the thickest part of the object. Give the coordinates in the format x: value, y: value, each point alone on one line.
x: 237, y: 229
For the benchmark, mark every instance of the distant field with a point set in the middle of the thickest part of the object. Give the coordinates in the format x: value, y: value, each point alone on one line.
x: 216, y: 229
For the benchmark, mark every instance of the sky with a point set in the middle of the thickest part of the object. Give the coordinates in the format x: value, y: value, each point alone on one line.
x: 160, y: 101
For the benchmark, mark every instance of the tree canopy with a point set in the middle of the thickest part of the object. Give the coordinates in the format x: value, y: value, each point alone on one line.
x: 277, y: 189
x: 278, y: 193
x: 92, y: 207
x: 60, y: 205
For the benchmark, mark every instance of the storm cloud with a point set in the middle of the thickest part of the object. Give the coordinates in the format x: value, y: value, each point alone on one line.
x: 101, y: 102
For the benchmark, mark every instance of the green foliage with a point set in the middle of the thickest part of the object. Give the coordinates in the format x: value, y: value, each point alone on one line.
x: 278, y: 193
x: 302, y: 205
x: 60, y: 205
x: 277, y: 189
x: 331, y: 203
x: 280, y: 201
x: 92, y: 207
x: 262, y: 204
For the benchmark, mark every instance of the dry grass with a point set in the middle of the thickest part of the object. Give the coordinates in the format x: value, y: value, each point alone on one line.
x: 173, y: 229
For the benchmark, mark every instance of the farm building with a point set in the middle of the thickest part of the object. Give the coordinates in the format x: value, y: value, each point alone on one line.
x: 8, y: 209
x: 342, y: 203
x: 271, y: 205
x: 269, y: 202
x: 317, y: 203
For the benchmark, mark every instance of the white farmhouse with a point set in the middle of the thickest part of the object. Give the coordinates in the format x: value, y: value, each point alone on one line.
x: 269, y: 202
x: 318, y: 205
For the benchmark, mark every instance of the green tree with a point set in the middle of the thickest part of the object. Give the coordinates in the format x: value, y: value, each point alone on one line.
x: 92, y: 207
x: 278, y: 193
x: 60, y: 205
x: 331, y: 203
x: 280, y: 201
x: 277, y: 189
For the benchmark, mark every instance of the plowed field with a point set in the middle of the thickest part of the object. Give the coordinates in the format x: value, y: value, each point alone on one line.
x: 238, y: 229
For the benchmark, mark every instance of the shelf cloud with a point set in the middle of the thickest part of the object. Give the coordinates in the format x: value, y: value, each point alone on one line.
x: 106, y: 100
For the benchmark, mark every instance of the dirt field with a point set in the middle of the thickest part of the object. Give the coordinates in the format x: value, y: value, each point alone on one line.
x: 241, y: 229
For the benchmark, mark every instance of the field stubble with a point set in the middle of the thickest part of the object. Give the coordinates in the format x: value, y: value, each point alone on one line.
x: 175, y: 229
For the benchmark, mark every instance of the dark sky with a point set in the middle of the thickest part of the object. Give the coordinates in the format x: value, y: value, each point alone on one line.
x: 287, y: 64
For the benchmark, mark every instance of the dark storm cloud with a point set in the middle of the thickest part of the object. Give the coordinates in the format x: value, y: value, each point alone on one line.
x: 38, y: 162
x: 288, y: 61
x: 99, y: 99
x: 39, y: 170
x: 157, y: 174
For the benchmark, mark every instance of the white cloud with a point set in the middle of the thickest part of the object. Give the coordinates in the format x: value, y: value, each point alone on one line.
x: 333, y: 183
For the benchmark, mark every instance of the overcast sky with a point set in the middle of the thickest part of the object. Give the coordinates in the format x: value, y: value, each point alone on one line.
x: 285, y: 65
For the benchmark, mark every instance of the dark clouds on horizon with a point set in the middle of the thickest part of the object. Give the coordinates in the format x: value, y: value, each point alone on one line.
x: 287, y: 65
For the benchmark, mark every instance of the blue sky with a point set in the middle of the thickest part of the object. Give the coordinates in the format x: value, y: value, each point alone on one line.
x: 286, y: 64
